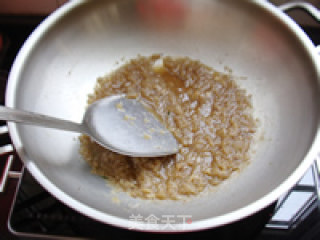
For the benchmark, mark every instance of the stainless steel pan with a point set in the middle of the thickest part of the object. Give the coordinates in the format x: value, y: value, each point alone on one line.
x: 58, y: 65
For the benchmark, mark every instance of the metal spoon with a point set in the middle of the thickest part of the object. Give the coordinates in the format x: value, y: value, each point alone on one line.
x: 117, y: 123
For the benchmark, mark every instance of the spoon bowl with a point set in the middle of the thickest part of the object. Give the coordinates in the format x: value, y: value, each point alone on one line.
x: 126, y: 126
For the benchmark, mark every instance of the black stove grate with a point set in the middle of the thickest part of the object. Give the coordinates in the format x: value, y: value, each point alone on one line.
x: 36, y: 212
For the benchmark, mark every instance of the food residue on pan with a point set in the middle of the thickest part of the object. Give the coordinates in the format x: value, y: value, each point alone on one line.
x: 115, y: 199
x: 147, y: 136
x: 151, y: 130
x: 208, y: 113
x: 146, y: 120
x: 128, y: 117
x: 119, y: 106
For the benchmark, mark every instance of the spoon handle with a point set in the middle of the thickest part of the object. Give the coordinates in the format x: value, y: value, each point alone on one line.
x: 19, y: 116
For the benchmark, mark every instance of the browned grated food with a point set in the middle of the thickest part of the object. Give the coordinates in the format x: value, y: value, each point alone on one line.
x: 210, y: 116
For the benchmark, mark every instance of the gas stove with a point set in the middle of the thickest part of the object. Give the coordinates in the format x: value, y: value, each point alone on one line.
x: 28, y: 211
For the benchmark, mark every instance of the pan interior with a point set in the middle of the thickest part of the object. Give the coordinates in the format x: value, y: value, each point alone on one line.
x: 88, y: 41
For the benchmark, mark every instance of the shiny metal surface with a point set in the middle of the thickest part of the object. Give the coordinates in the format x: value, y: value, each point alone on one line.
x: 119, y: 124
x: 32, y: 118
x: 59, y: 64
x: 106, y: 124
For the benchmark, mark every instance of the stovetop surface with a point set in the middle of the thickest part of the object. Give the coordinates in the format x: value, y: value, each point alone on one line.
x: 37, y: 214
